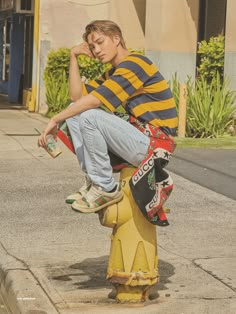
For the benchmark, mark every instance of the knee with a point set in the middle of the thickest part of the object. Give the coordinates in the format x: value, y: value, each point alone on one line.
x: 88, y: 117
x: 73, y: 122
x: 88, y: 114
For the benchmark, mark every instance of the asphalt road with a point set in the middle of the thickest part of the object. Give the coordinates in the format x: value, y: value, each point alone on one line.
x: 211, y: 168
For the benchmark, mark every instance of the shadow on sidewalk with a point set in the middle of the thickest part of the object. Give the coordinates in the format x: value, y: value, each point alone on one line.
x: 5, y: 104
x: 91, y: 274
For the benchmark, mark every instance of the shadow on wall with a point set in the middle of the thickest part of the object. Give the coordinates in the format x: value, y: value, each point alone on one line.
x: 194, y: 9
x: 140, y: 7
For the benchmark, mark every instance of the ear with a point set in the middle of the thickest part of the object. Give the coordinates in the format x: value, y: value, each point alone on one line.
x: 116, y: 39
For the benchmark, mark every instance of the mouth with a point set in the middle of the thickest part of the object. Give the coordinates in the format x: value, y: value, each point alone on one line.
x: 101, y: 57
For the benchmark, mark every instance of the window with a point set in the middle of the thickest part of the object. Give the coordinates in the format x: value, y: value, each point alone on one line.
x: 26, y: 5
x: 211, y: 18
x: 6, y: 50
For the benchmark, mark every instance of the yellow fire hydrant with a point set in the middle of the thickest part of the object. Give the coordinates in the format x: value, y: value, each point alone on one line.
x: 133, y: 262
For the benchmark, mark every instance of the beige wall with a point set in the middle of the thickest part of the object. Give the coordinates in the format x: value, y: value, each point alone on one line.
x: 230, y: 43
x: 230, y: 33
x: 62, y: 22
x: 123, y: 12
x: 172, y: 25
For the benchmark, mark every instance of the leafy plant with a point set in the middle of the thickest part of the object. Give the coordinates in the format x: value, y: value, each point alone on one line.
x: 175, y: 88
x: 57, y: 93
x: 58, y: 62
x: 211, y: 55
x: 91, y: 68
x: 210, y: 107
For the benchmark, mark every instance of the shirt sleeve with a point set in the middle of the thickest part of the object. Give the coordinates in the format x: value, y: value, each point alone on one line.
x: 91, y: 85
x: 128, y: 77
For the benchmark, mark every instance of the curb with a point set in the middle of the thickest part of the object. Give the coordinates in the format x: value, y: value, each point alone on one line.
x: 20, y: 290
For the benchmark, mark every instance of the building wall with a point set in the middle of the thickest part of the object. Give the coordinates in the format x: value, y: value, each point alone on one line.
x: 62, y: 24
x: 230, y: 43
x: 125, y: 14
x: 171, y: 36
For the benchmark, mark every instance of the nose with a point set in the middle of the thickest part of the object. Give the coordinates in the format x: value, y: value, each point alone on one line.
x: 97, y: 49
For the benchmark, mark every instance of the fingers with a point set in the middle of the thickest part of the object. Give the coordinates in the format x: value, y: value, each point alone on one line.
x: 51, y: 128
x: 42, y: 140
x: 82, y: 49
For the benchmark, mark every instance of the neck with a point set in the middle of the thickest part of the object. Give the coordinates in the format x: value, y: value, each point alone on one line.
x: 122, y: 53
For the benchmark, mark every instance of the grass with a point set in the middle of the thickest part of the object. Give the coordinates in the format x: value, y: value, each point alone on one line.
x: 226, y: 142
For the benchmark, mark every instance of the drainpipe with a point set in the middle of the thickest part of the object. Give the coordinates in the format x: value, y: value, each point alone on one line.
x: 35, y: 75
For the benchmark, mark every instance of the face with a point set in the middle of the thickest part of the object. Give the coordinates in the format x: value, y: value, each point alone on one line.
x: 103, y: 47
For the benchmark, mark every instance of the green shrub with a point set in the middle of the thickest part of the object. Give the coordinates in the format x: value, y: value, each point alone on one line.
x: 59, y: 60
x: 91, y: 68
x: 175, y: 89
x: 57, y: 64
x: 57, y: 93
x: 211, y: 56
x: 210, y: 107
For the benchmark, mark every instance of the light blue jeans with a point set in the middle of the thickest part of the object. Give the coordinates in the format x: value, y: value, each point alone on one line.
x: 96, y: 131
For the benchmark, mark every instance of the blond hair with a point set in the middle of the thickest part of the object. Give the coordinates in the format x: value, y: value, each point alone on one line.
x: 106, y: 27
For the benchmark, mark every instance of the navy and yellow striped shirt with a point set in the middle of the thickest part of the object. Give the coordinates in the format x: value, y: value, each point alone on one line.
x: 137, y: 84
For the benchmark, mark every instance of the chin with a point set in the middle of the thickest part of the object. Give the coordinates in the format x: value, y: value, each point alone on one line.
x: 104, y: 61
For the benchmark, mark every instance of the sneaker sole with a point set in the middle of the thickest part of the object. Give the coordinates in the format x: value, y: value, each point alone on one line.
x: 94, y: 210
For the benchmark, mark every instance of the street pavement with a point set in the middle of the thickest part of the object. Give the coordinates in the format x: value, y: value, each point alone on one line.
x: 53, y: 260
x: 211, y: 168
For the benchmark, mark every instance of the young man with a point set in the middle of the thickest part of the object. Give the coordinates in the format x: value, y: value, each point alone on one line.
x: 134, y: 82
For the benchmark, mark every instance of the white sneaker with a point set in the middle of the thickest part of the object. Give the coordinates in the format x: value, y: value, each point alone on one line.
x: 96, y: 199
x: 82, y: 191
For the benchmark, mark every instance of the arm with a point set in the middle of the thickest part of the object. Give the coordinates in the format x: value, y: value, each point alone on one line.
x: 75, y: 82
x: 84, y: 103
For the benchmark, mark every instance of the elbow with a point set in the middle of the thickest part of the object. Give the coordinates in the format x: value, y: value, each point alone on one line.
x: 75, y: 97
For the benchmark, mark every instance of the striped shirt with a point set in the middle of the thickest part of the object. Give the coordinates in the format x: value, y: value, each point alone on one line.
x: 139, y: 87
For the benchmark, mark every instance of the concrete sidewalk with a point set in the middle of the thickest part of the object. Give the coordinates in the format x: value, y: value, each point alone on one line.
x: 53, y: 260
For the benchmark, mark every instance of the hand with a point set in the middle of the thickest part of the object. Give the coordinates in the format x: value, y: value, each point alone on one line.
x: 81, y: 49
x: 51, y: 128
